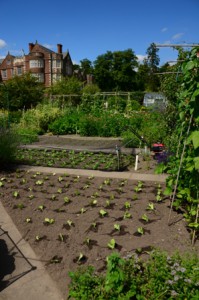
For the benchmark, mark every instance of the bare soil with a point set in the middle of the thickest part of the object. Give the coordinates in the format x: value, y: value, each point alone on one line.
x: 30, y: 197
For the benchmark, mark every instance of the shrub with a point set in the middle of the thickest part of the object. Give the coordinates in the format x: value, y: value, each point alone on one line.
x: 160, y: 277
x: 9, y: 142
x: 67, y: 124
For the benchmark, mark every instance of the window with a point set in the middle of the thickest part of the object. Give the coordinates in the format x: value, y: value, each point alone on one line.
x: 56, y: 63
x: 39, y: 76
x: 19, y: 71
x: 36, y: 63
x: 8, y: 62
x: 4, y: 73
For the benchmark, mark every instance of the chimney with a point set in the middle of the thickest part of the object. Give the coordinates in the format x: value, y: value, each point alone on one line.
x: 31, y: 45
x: 59, y: 48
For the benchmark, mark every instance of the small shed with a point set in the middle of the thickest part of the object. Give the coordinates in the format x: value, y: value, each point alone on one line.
x: 155, y: 100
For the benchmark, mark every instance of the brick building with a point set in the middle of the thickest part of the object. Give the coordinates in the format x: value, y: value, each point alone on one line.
x: 48, y: 66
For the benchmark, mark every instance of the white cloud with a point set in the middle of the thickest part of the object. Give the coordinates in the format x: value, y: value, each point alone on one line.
x: 164, y: 29
x: 2, y: 44
x: 141, y: 57
x: 177, y: 36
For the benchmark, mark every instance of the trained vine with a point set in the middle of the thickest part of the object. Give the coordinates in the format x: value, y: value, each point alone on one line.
x: 183, y: 180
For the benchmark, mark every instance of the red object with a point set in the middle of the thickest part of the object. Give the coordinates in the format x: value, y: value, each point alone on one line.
x: 157, y: 148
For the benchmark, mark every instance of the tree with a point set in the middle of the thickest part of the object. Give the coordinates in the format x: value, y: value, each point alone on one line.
x: 66, y: 86
x: 116, y: 70
x: 152, y: 63
x: 86, y: 66
x: 21, y: 92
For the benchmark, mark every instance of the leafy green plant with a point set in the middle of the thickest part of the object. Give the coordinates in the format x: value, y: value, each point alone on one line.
x: 117, y: 227
x: 67, y: 200
x: 111, y: 244
x: 127, y: 205
x: 140, y: 230
x: 133, y: 278
x: 19, y: 206
x: 15, y: 194
x: 49, y: 221
x: 28, y: 220
x: 41, y: 207
x: 151, y: 206
x: 103, y: 213
x: 145, y: 218
x: 127, y: 215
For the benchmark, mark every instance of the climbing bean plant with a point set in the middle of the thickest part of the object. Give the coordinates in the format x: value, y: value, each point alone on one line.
x: 183, y: 180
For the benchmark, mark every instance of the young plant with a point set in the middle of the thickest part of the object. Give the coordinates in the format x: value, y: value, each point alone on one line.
x: 49, y: 221
x: 150, y: 206
x: 16, y: 194
x: 139, y: 186
x: 69, y: 223
x: 112, y: 197
x: 145, y: 218
x: 39, y: 182
x: 117, y: 227
x: 81, y: 258
x: 134, y: 197
x: 62, y: 237
x: 127, y: 215
x: 82, y: 210
x: 40, y: 207
x: 102, y: 213
x: 20, y: 206
x: 127, y: 205
x: 66, y: 200
x: 87, y: 241
x: 28, y: 220
x: 112, y: 244
x: 107, y: 181
x: 93, y: 202
x: 59, y: 190
x: 53, y: 197
x: 140, y: 230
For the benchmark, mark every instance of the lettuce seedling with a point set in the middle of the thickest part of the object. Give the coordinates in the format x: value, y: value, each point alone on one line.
x: 117, y: 227
x: 140, y: 230
x: 16, y: 194
x: 49, y: 221
x: 150, y: 206
x: 127, y: 215
x: 103, y: 213
x: 145, y: 218
x: 112, y: 244
x: 127, y: 205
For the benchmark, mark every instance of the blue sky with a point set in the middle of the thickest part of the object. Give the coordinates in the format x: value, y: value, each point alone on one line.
x: 90, y: 28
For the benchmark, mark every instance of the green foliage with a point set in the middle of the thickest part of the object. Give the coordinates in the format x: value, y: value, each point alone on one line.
x: 90, y: 89
x: 37, y: 120
x: 9, y: 142
x: 67, y: 86
x: 21, y: 92
x: 187, y: 156
x: 160, y: 277
x: 115, y: 70
x: 67, y: 124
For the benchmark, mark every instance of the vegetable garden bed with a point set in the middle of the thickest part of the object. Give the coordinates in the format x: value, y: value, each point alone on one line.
x: 77, y: 220
x: 74, y: 159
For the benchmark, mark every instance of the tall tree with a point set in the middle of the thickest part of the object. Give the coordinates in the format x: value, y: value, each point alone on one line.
x: 86, y: 66
x: 153, y: 61
x: 116, y: 70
